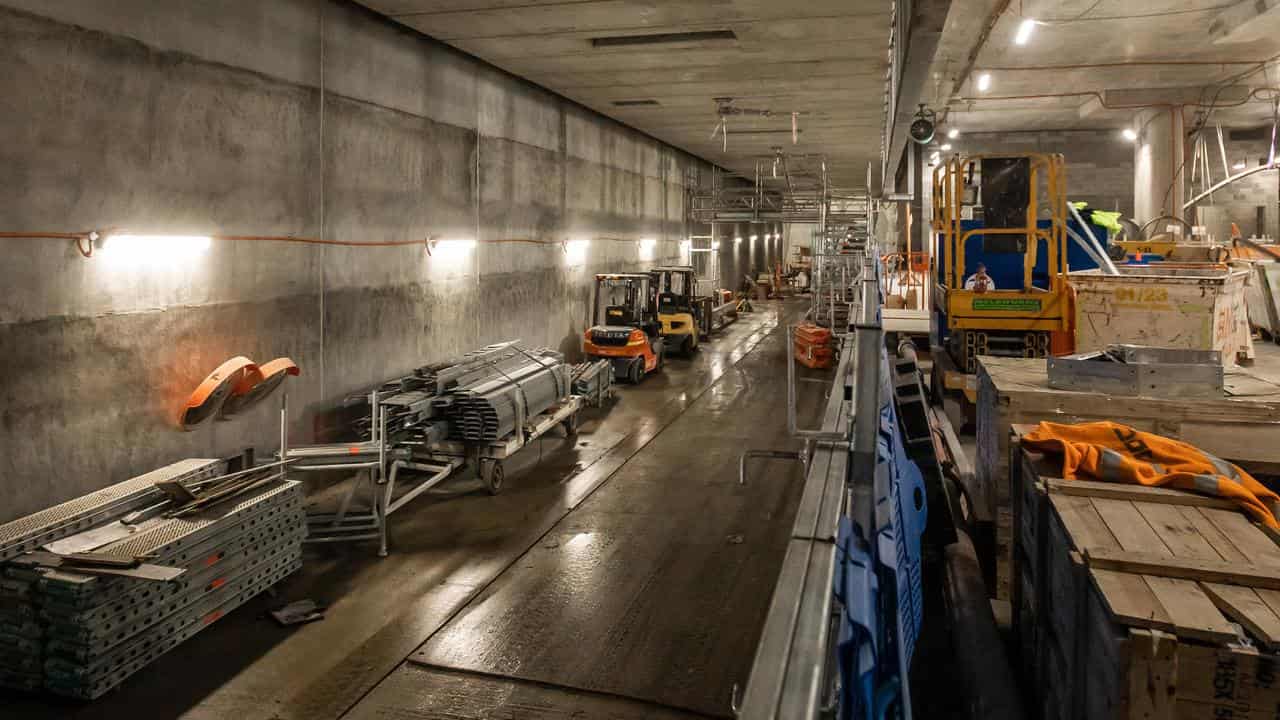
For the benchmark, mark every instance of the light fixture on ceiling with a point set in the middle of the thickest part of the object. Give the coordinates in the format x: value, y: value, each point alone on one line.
x: 1130, y: 134
x: 953, y: 133
x: 984, y: 82
x: 1027, y: 27
x: 946, y: 147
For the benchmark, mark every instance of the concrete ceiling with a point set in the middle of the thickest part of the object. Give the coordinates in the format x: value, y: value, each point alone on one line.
x: 825, y: 58
x: 1096, y: 63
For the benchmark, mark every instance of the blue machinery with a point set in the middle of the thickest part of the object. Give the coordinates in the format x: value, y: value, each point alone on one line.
x: 848, y: 607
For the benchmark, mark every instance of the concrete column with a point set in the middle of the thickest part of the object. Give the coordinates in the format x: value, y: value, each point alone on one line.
x: 1158, y: 164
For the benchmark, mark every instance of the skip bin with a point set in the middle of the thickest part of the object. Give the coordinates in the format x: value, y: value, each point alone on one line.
x: 1186, y: 307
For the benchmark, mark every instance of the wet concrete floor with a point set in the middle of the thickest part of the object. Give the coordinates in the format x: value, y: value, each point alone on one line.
x: 624, y: 574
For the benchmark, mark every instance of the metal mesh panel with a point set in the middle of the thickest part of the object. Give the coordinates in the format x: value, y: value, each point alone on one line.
x: 30, y: 532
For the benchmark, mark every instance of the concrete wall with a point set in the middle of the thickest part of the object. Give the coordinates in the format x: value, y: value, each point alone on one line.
x: 1100, y: 164
x: 289, y: 117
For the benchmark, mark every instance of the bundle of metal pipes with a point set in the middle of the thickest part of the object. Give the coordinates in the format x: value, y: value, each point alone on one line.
x: 593, y: 380
x: 494, y: 407
x: 79, y: 619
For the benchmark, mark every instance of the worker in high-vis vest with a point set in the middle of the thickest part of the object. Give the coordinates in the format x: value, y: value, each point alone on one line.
x: 1117, y: 453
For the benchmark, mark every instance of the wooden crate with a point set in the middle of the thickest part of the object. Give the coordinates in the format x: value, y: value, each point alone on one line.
x: 1243, y: 427
x: 1138, y: 602
x: 1166, y: 305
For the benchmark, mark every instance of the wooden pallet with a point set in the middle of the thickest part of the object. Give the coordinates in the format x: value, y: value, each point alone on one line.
x: 1242, y: 427
x: 1136, y: 602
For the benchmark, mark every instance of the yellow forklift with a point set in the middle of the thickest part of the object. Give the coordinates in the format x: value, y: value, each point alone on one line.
x: 1000, y: 282
x: 685, y: 316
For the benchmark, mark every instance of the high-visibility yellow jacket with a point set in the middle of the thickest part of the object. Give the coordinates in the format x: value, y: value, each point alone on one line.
x: 1117, y: 453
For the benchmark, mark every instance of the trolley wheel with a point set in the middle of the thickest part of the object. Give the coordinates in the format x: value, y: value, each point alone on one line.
x: 571, y: 425
x: 492, y: 473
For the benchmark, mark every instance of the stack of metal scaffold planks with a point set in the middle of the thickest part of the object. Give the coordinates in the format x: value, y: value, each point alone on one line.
x: 1136, y: 602
x: 76, y: 632
x: 1242, y: 426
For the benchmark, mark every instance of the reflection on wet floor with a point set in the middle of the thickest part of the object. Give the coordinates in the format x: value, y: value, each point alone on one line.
x: 624, y: 574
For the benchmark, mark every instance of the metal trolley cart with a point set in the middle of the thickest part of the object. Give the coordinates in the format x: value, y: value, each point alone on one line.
x: 481, y: 408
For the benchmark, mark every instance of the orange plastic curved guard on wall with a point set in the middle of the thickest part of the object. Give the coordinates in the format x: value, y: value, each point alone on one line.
x: 254, y: 390
x: 213, y: 391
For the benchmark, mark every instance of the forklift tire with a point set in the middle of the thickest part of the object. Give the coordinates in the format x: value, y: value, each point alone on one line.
x: 636, y: 372
x: 492, y: 474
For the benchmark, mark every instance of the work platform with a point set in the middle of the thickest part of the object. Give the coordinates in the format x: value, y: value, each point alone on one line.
x: 623, y: 575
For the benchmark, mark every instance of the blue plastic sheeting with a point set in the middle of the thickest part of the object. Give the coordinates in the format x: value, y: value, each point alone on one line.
x: 878, y: 584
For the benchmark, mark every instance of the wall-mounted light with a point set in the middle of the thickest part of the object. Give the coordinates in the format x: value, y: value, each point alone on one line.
x: 576, y: 251
x: 1130, y: 134
x: 715, y: 244
x: 755, y: 238
x: 1023, y: 36
x: 737, y: 240
x: 953, y: 133
x: 984, y: 82
x: 450, y: 248
x: 1239, y: 165
x: 946, y: 147
x: 646, y: 248
x: 150, y: 250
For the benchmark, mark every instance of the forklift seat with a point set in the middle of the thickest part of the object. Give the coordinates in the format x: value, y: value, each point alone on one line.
x: 618, y: 315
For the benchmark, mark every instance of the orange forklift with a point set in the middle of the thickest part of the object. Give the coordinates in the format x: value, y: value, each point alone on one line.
x: 625, y: 328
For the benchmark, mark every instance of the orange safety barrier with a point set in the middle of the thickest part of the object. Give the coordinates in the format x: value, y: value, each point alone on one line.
x: 812, y: 346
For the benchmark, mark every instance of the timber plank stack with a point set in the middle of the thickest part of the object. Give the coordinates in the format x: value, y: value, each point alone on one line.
x: 1136, y: 602
x: 1242, y: 427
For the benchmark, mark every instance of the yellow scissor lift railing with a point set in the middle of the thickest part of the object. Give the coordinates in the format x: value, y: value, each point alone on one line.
x: 1029, y: 308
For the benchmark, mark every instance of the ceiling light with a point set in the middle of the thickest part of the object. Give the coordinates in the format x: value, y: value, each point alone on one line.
x: 953, y: 133
x: 1027, y: 27
x: 946, y: 147
x: 1130, y: 134
x: 984, y: 82
x: 1239, y: 166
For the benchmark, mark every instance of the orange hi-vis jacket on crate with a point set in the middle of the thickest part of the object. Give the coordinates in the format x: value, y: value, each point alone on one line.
x: 1117, y: 453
